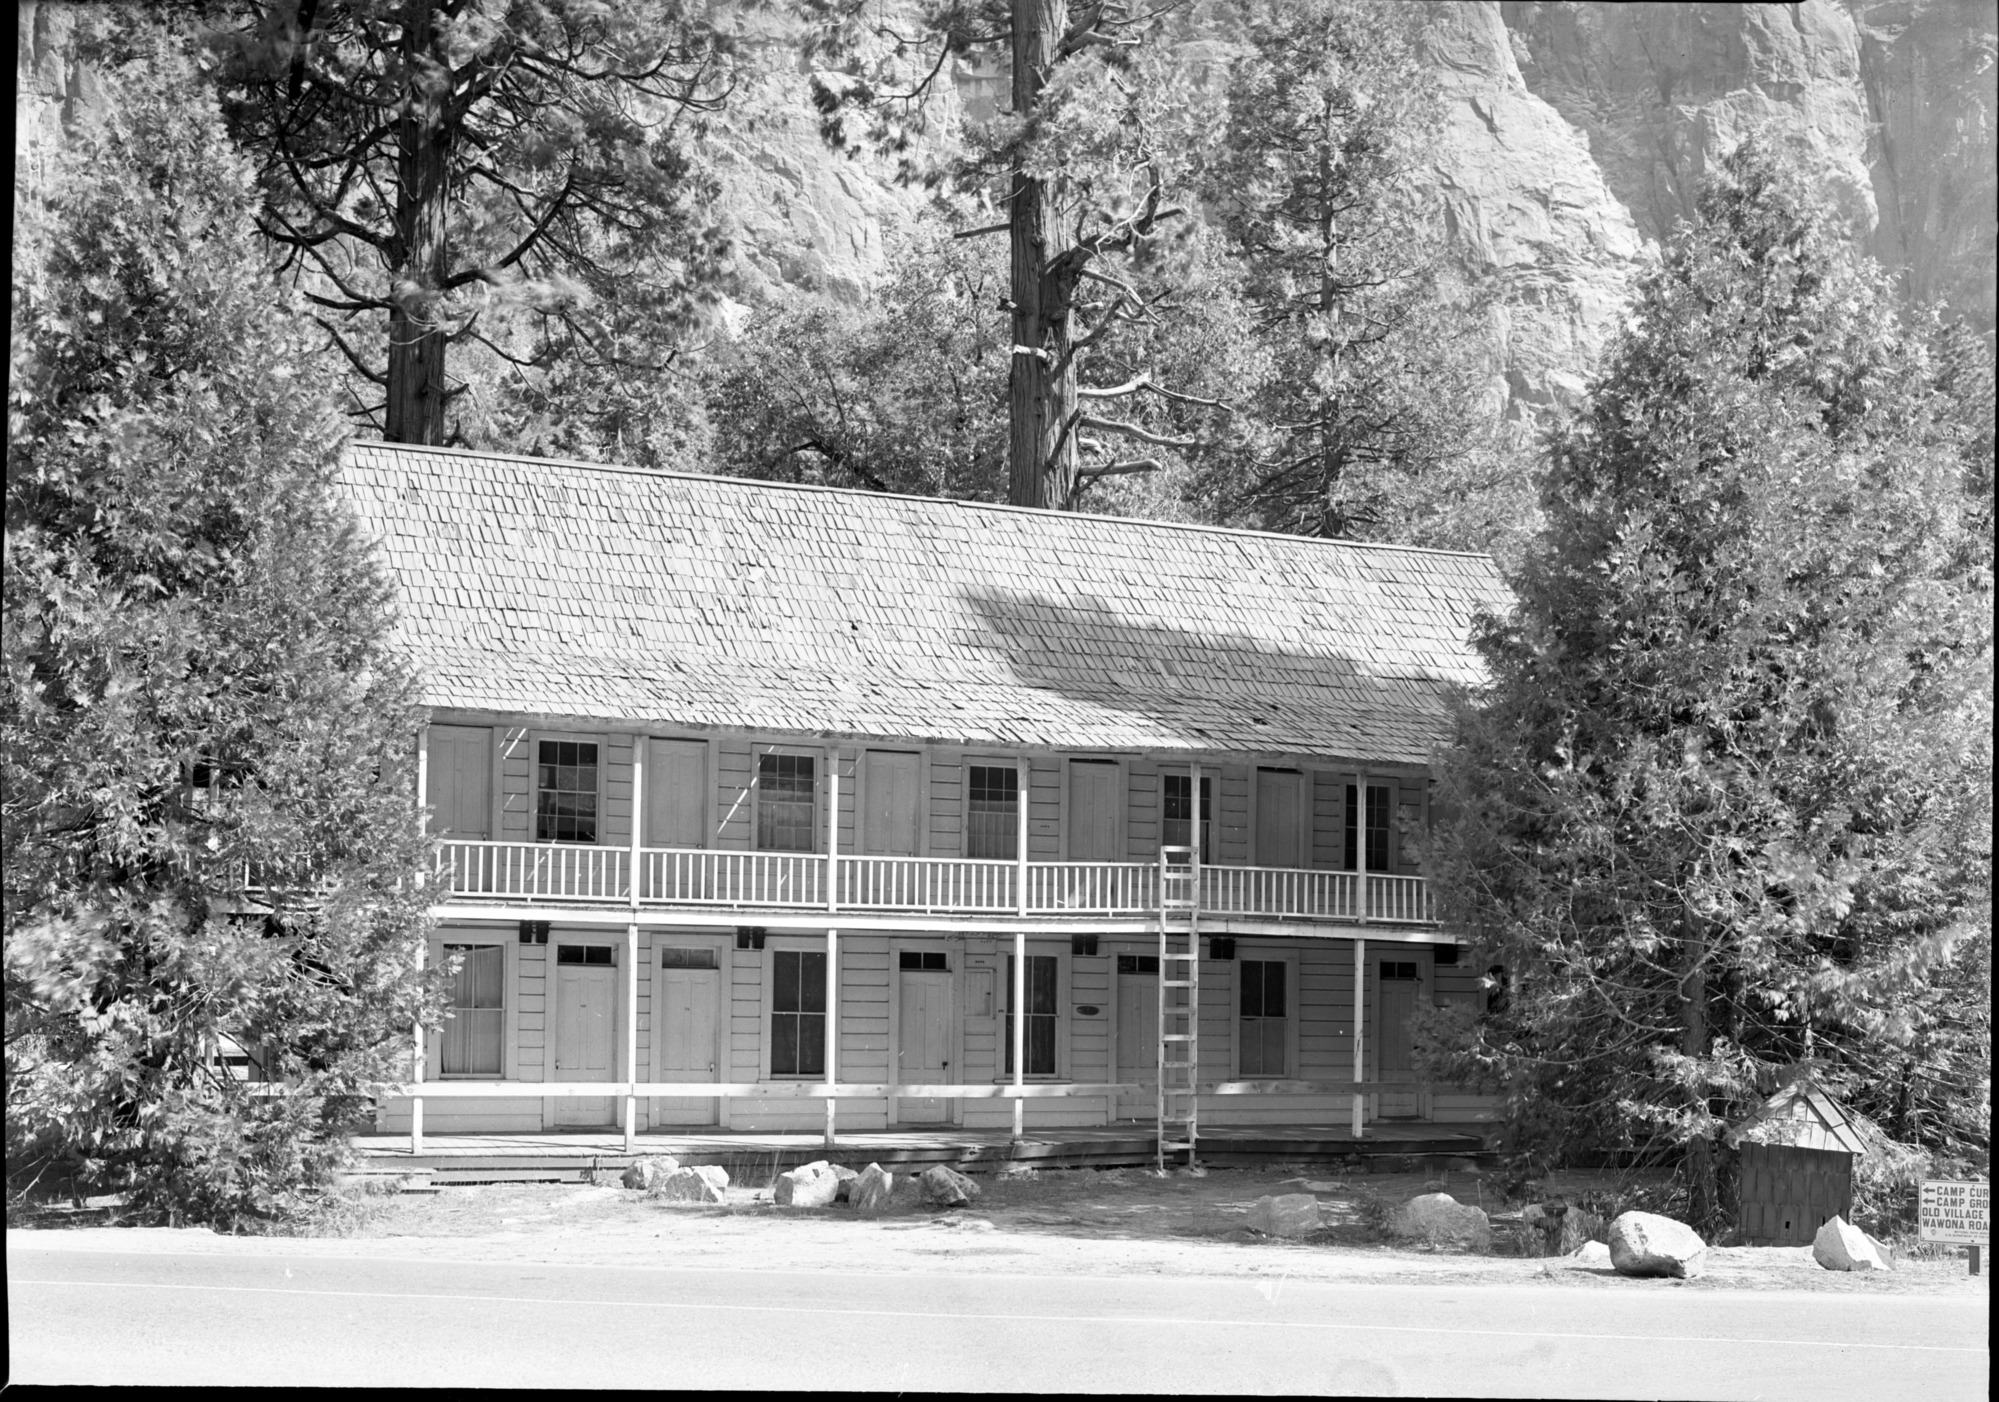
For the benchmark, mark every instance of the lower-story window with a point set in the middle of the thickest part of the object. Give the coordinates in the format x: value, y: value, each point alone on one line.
x: 1041, y: 1014
x: 798, y: 1013
x: 476, y: 1030
x: 1264, y: 1024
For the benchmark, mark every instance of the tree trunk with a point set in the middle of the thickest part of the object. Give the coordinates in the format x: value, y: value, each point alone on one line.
x: 1041, y: 456
x: 1702, y: 1191
x: 415, y: 409
x: 1332, y: 459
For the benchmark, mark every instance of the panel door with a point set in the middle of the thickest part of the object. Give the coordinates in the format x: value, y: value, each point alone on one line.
x: 458, y: 781
x: 923, y: 1056
x: 676, y: 793
x: 686, y: 1012
x: 1093, y: 811
x: 1279, y: 802
x: 888, y: 792
x: 586, y: 1019
x: 1395, y: 998
x: 1138, y: 1043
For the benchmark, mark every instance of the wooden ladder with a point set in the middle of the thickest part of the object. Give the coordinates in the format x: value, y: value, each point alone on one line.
x: 1179, y: 1002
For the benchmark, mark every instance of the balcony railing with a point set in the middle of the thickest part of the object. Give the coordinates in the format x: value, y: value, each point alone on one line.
x: 681, y: 876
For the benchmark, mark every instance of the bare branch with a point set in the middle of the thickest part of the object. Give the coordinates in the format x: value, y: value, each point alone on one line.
x: 983, y: 229
x: 1144, y: 435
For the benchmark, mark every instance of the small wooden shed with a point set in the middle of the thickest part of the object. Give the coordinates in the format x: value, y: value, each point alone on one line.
x: 1797, y: 1152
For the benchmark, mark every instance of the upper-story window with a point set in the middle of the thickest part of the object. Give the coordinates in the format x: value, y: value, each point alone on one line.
x: 1378, y: 810
x: 992, y: 826
x: 566, y: 792
x: 1177, y: 822
x: 784, y: 803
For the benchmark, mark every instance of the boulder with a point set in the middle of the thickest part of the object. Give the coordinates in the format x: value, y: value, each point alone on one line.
x: 808, y: 1185
x: 1644, y: 1243
x: 708, y: 1183
x: 1841, y: 1246
x: 871, y: 1189
x: 1591, y: 1255
x: 846, y: 1184
x: 1286, y: 1214
x: 643, y: 1173
x: 946, y: 1187
x: 1441, y: 1220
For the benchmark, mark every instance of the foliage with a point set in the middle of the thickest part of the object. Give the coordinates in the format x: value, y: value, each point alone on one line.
x: 516, y: 177
x: 200, y: 693
x: 1726, y: 804
x: 1314, y: 172
x: 906, y: 393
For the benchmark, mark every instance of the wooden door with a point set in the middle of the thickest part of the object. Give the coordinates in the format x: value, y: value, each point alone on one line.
x: 458, y: 781
x: 1093, y: 811
x: 676, y: 793
x: 923, y: 1034
x: 1138, y: 1035
x: 1399, y: 985
x: 586, y: 1023
x: 888, y: 793
x: 686, y: 1012
x: 1279, y: 802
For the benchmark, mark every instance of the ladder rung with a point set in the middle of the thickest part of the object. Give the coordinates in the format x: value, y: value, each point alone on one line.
x: 1176, y: 1037
x: 1176, y: 983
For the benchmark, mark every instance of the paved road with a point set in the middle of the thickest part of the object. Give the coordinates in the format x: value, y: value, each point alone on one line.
x: 273, y: 1315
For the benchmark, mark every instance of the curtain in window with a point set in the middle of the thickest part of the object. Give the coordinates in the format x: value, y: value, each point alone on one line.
x: 474, y: 1034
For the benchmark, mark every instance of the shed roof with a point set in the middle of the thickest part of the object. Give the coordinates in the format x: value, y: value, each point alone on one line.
x: 1803, y: 1115
x: 575, y: 589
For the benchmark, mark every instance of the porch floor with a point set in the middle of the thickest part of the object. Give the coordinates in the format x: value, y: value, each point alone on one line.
x: 756, y: 1155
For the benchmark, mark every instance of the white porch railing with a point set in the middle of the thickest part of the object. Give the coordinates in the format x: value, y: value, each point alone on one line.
x: 927, y: 885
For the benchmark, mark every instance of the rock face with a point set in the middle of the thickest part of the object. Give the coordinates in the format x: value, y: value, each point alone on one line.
x: 708, y: 1183
x: 1644, y: 1243
x: 1529, y: 213
x: 1441, y: 1220
x: 809, y: 1185
x: 1841, y: 1246
x: 946, y: 1187
x: 643, y: 1173
x: 1285, y: 1215
x: 871, y: 1191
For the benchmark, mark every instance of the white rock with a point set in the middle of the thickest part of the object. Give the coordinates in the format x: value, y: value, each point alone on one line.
x: 846, y: 1176
x: 870, y: 1192
x: 808, y: 1185
x: 1441, y: 1219
x: 1841, y: 1246
x: 946, y: 1187
x: 708, y: 1183
x: 1644, y: 1243
x: 643, y: 1173
x: 1286, y: 1215
x: 1591, y: 1255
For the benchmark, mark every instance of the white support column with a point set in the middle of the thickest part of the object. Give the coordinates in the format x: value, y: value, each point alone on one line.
x: 832, y: 1025
x: 639, y: 744
x: 1359, y: 1010
x: 632, y: 945
x: 416, y: 1036
x: 832, y: 829
x: 1018, y: 1002
x: 1023, y: 769
x: 1360, y: 826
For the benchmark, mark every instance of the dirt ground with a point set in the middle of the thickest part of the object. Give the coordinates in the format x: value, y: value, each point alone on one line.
x: 1081, y: 1221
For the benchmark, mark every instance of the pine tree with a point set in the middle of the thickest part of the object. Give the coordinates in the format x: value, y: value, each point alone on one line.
x: 1726, y: 806
x: 212, y: 841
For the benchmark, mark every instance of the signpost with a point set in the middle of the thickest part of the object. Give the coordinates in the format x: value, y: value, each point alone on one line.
x: 1951, y: 1210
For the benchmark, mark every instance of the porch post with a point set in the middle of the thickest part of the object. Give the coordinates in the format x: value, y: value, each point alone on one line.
x: 833, y: 827
x: 416, y: 1035
x: 1019, y: 1005
x: 1360, y: 825
x: 631, y: 1034
x: 632, y: 946
x: 1359, y: 1015
x: 1022, y: 768
x: 832, y: 1025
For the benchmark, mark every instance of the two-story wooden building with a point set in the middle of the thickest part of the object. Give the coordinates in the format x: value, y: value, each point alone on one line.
x: 792, y: 797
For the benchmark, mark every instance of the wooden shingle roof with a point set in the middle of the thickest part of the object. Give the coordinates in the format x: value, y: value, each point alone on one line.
x: 571, y: 589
